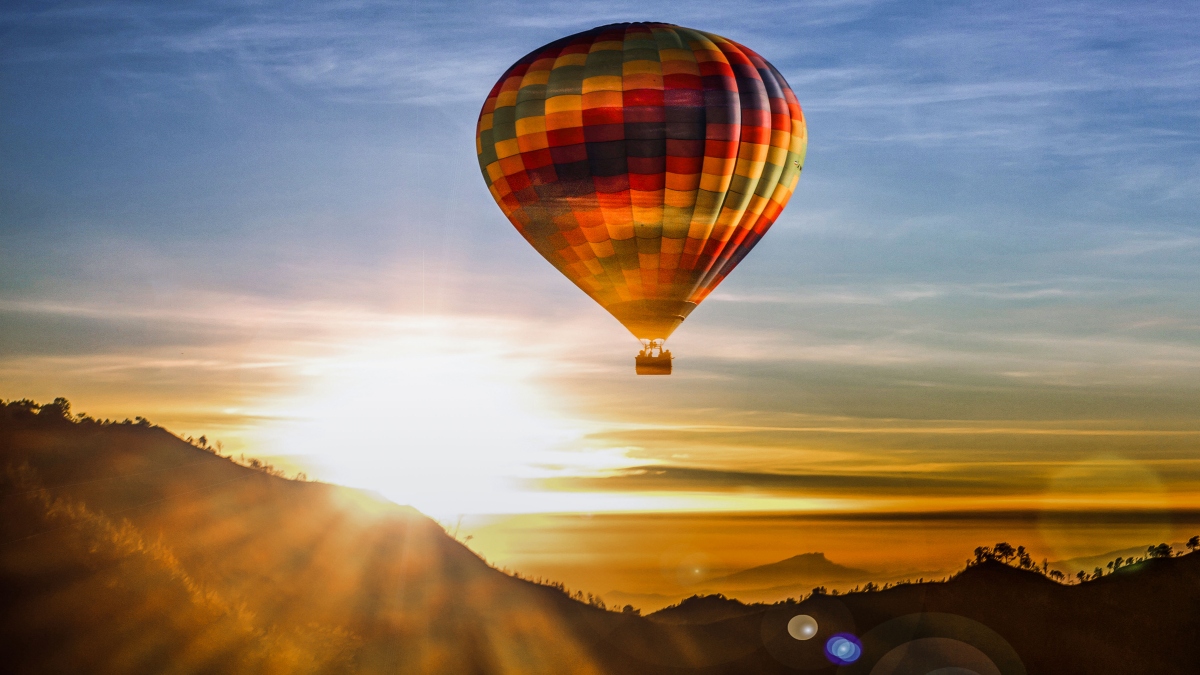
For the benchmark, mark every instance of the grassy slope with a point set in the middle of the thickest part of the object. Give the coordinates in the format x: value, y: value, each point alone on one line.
x: 127, y: 550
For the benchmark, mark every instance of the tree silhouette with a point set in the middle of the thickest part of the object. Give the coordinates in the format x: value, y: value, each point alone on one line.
x: 1193, y: 543
x: 1004, y: 551
x: 59, y: 409
x: 1024, y: 560
x: 982, y: 553
x: 1160, y: 551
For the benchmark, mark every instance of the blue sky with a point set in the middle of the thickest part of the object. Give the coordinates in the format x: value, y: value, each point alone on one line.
x: 997, y: 221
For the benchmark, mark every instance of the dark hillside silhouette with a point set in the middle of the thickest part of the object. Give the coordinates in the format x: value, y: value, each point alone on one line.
x: 124, y: 549
x: 702, y: 609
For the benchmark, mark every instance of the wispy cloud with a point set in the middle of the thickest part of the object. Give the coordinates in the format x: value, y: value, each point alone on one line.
x: 675, y: 478
x: 368, y: 51
x: 906, y: 293
x: 1141, y: 245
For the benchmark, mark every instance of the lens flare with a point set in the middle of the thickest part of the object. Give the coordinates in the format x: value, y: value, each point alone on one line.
x: 934, y: 643
x: 802, y: 627
x: 786, y: 639
x: 843, y: 649
x: 1068, y: 523
x: 938, y: 656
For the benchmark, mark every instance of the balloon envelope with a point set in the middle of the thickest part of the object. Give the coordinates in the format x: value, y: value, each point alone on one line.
x: 644, y: 161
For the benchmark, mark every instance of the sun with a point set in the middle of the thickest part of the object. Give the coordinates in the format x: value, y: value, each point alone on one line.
x: 442, y: 414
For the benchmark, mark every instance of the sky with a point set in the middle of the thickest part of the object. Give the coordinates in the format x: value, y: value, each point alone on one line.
x: 264, y: 222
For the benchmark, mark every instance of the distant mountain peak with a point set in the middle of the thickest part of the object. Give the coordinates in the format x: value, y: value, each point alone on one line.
x: 804, y: 568
x: 815, y: 555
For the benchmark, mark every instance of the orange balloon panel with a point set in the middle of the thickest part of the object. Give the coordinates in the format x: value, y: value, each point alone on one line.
x: 644, y: 161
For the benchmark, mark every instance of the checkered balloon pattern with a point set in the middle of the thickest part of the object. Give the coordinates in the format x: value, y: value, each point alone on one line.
x: 644, y: 161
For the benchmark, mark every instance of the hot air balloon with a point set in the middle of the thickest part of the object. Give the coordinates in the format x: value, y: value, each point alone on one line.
x: 643, y: 161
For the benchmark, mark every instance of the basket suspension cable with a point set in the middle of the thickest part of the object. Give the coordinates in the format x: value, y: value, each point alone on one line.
x: 653, y: 347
